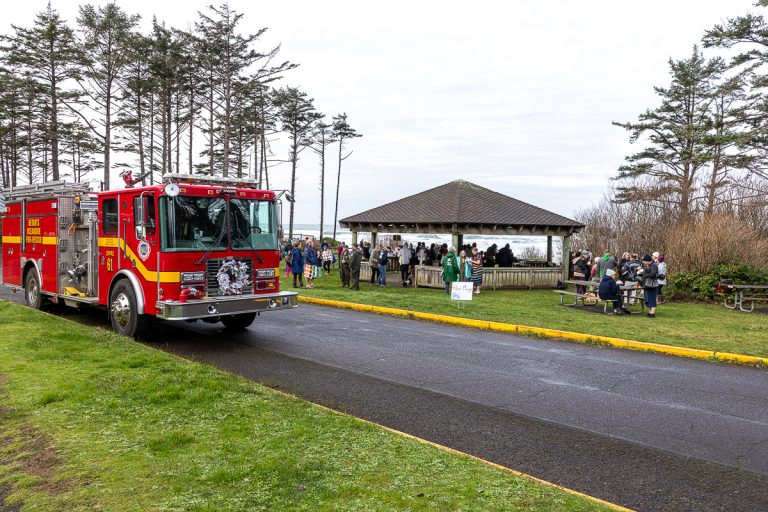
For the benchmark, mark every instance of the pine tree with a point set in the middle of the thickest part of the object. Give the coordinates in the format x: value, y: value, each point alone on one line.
x: 679, y: 150
x: 297, y: 116
x: 322, y: 137
x: 342, y: 132
x: 106, y: 37
x: 48, y: 53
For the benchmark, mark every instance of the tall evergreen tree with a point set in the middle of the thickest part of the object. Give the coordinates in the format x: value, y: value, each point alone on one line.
x: 106, y: 35
x: 297, y: 117
x: 322, y: 137
x: 343, y: 133
x: 48, y: 52
x: 677, y: 133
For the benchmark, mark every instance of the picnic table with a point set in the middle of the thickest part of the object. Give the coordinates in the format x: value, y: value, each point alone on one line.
x: 632, y: 295
x: 743, y: 294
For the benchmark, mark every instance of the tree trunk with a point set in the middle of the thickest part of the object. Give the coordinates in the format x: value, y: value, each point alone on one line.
x: 191, y: 124
x: 322, y: 184
x: 338, y: 185
x: 107, y: 134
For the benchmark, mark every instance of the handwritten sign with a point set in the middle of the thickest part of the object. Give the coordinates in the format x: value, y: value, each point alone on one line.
x: 461, y: 291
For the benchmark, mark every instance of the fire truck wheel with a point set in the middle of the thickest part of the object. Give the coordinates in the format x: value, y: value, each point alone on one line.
x: 238, y: 322
x: 123, y: 312
x: 32, y: 296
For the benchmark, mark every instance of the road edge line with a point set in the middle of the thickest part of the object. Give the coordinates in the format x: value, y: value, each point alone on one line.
x: 589, y: 339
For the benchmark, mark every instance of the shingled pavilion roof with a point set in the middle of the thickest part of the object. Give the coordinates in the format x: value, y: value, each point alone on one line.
x: 461, y: 207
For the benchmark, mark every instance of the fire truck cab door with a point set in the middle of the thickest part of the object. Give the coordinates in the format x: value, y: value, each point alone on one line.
x: 138, y: 221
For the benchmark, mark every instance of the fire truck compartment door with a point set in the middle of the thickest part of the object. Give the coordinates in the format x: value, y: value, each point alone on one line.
x: 11, y: 250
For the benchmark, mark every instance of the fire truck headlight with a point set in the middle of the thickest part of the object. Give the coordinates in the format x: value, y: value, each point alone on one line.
x: 265, y: 272
x: 192, y: 277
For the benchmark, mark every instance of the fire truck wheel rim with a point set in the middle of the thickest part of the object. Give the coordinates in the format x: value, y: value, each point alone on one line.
x: 33, y: 292
x: 121, y: 310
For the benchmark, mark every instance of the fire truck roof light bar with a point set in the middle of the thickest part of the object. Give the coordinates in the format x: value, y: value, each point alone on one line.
x: 197, y: 179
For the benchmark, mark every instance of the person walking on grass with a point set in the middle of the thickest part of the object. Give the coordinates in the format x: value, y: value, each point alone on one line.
x: 662, y: 277
x: 297, y: 264
x: 649, y: 273
x: 355, y: 259
x: 383, y: 258
x: 450, y: 269
x: 610, y: 290
x: 327, y: 259
x: 406, y: 254
x: 309, y: 264
x: 373, y: 262
x: 476, y: 261
x: 344, y: 270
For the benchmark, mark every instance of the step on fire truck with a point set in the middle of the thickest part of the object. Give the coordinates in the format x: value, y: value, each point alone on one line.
x: 189, y: 248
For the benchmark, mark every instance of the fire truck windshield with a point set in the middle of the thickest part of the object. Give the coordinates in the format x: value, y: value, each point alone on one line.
x: 253, y: 224
x: 190, y: 223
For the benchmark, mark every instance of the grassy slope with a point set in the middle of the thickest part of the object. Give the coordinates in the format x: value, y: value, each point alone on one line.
x: 711, y: 327
x: 89, y: 420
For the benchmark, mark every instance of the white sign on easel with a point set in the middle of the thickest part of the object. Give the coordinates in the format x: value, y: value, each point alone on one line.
x: 461, y: 291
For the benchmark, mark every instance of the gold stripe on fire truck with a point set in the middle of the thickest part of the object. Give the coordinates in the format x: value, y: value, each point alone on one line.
x: 149, y: 275
x: 46, y: 240
x: 11, y: 239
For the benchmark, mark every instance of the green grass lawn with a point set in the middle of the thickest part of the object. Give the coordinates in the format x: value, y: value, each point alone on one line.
x: 703, y: 326
x: 93, y: 421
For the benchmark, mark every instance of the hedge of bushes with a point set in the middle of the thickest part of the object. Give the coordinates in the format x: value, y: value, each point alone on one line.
x: 694, y: 285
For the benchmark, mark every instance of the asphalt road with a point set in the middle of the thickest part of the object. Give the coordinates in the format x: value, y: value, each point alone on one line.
x: 712, y: 412
x: 649, y: 432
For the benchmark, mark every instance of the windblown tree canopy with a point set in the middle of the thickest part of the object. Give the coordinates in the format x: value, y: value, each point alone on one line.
x: 701, y: 132
x: 102, y: 94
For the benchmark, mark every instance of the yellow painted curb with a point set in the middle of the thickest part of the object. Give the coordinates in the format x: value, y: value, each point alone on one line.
x: 547, y: 333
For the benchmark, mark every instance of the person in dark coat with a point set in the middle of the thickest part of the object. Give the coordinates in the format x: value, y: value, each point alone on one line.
x: 610, y: 290
x: 297, y: 264
x: 344, y: 271
x: 649, y: 273
x: 355, y: 259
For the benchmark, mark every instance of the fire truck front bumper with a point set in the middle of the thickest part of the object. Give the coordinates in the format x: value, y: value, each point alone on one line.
x: 221, y: 306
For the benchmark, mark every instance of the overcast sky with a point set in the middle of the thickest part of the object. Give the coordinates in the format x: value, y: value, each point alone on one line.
x: 514, y: 96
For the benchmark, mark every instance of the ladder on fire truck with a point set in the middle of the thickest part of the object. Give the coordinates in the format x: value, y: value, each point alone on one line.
x: 48, y: 188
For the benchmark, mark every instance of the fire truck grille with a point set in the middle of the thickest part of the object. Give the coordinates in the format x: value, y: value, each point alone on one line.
x: 212, y: 284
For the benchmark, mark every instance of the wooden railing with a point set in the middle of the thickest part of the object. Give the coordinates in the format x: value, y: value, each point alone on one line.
x: 498, y: 278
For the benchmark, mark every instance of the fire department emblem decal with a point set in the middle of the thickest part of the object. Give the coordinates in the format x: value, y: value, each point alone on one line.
x: 144, y: 250
x: 233, y: 276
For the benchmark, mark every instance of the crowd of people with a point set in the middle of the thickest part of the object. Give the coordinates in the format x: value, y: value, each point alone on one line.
x: 308, y: 260
x: 648, y: 272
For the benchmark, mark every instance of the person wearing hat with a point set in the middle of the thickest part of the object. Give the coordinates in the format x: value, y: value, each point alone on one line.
x: 649, y: 277
x: 355, y: 259
x: 609, y: 290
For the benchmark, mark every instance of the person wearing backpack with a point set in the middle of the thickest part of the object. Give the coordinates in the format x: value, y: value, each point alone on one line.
x: 383, y: 259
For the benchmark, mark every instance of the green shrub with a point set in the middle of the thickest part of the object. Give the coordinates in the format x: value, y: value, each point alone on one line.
x: 694, y: 285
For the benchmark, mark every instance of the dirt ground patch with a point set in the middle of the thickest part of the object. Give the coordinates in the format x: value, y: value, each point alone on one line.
x: 33, y: 453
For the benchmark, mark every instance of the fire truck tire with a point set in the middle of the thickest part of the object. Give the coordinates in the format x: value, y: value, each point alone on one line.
x: 238, y: 322
x: 123, y: 312
x: 32, y: 295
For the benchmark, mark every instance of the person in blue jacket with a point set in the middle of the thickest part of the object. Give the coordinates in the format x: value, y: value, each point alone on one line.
x: 609, y: 290
x: 297, y: 265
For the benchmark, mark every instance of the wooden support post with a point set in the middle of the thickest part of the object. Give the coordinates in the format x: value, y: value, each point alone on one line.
x: 373, y: 238
x: 566, y: 256
x: 549, y: 250
x: 354, y: 237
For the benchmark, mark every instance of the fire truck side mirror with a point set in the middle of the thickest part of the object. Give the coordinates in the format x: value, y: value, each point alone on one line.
x: 141, y: 232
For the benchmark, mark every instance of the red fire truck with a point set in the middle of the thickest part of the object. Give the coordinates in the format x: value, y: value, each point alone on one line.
x: 189, y: 248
